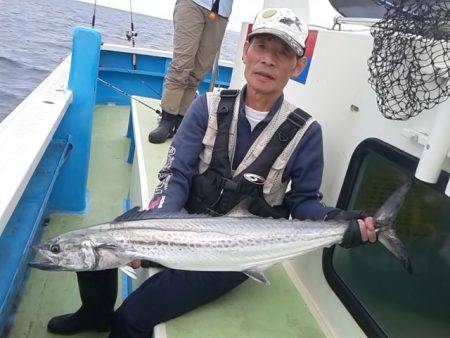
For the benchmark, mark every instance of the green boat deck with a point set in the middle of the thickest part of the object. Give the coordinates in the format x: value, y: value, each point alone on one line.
x: 252, y: 310
x: 47, y: 294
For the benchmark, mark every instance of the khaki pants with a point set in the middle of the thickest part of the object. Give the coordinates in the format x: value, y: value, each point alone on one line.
x: 195, y: 44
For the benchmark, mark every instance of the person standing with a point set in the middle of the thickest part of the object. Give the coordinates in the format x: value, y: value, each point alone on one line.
x: 199, y: 27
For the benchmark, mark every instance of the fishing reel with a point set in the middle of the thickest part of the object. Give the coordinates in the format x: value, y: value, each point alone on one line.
x: 131, y: 34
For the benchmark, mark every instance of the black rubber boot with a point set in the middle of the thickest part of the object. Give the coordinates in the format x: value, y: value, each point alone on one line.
x: 165, y: 128
x: 98, y: 293
x: 177, y: 125
x: 175, y: 128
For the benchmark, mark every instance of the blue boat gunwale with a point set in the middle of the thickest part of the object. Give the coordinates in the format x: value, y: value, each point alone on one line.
x: 146, y: 78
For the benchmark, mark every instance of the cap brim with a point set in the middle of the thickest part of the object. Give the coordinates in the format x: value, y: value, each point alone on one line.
x: 296, y: 47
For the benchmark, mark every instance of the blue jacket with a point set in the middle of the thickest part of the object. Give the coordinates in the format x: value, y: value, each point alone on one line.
x: 304, y: 168
x: 225, y: 6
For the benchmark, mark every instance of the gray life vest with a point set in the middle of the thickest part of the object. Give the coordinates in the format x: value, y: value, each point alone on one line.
x: 217, y: 189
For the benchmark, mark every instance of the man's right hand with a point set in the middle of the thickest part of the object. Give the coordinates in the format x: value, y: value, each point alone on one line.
x: 135, y: 264
x: 259, y: 207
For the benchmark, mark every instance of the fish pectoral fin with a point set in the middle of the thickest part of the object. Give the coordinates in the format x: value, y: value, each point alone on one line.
x: 257, y: 275
x: 130, y: 215
x: 129, y: 271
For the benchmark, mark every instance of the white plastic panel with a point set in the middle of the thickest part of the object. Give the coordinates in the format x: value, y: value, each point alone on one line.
x: 25, y: 135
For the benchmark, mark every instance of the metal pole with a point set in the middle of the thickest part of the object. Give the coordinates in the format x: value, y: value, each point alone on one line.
x: 214, y: 71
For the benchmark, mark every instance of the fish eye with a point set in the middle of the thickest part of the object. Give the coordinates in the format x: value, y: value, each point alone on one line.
x: 55, y: 248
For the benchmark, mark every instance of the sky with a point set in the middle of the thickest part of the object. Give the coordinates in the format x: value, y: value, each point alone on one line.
x: 243, y: 10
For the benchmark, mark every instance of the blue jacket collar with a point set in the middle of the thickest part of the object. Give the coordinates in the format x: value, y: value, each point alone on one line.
x: 275, y: 107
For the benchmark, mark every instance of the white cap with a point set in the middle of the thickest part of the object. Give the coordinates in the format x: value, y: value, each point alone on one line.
x: 283, y: 23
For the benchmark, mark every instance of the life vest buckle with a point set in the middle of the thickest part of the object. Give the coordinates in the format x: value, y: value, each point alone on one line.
x: 229, y: 93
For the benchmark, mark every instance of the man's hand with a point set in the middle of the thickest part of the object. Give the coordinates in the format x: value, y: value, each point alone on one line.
x: 359, y: 232
x: 135, y: 264
x: 367, y: 228
x: 361, y: 227
x: 259, y: 207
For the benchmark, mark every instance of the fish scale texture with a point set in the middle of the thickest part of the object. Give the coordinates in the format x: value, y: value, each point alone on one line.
x: 201, y: 243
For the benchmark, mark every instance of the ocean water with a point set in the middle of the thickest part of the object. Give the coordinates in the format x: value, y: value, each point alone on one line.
x: 36, y: 35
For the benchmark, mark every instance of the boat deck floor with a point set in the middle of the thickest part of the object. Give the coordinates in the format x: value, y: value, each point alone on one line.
x: 47, y: 294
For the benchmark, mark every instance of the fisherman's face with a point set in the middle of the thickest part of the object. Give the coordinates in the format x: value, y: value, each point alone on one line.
x: 270, y: 63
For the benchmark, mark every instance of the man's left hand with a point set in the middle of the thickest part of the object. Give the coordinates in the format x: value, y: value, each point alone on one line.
x: 367, y: 228
x: 360, y: 230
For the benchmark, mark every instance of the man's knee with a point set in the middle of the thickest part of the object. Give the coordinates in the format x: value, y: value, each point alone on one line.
x: 194, y: 79
x: 122, y: 320
x: 177, y: 76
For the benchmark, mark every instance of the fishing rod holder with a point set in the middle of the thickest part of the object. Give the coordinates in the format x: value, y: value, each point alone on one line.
x: 437, y: 142
x: 436, y: 147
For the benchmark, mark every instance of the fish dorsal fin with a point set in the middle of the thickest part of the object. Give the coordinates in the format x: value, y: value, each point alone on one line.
x: 258, y: 275
x: 137, y: 214
x: 132, y: 214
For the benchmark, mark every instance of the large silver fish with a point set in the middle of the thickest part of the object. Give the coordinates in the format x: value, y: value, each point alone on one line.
x: 200, y: 243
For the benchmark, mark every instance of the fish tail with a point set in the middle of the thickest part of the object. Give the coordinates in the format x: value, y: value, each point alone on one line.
x: 384, y: 219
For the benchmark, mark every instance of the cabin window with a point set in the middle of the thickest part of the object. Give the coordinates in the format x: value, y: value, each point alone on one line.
x: 383, y: 297
x: 360, y: 8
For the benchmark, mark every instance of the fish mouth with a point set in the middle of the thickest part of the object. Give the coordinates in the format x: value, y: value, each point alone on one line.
x: 44, y: 264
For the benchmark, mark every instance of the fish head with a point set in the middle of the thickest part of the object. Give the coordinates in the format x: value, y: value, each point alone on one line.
x: 76, y: 252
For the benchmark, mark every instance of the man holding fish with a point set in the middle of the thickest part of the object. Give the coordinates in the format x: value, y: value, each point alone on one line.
x: 234, y: 154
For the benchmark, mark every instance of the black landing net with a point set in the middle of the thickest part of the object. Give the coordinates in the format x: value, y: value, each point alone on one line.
x: 409, y: 66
